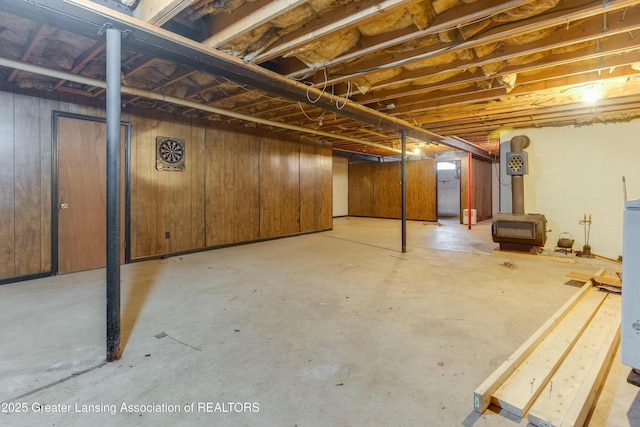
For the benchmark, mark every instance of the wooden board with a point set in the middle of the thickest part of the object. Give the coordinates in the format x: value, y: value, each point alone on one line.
x: 600, y: 278
x: 482, y: 395
x: 568, y: 397
x: 519, y: 391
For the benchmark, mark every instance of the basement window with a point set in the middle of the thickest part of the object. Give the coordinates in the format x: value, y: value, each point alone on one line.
x: 445, y: 166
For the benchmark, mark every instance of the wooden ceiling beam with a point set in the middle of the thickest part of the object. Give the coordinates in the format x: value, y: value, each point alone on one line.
x: 588, y: 67
x: 503, y: 114
x: 341, y: 18
x: 496, y: 34
x: 610, y: 50
x: 158, y: 12
x: 224, y: 27
x: 466, y: 96
x: 449, y: 19
x: 37, y: 38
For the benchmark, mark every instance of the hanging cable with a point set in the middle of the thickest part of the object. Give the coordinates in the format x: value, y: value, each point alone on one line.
x: 346, y: 97
x: 319, y: 119
x: 326, y: 81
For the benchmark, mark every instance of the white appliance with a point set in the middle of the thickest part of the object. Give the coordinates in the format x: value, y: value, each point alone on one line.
x: 630, y: 327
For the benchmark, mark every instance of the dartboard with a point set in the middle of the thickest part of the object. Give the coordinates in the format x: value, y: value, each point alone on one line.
x: 171, y: 151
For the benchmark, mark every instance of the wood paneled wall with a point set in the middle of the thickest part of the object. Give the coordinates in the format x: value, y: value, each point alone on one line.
x: 279, y: 188
x: 422, y: 203
x: 375, y: 190
x: 25, y: 179
x: 238, y: 185
x: 361, y: 189
x: 233, y: 187
x: 167, y: 208
x: 316, y: 187
x: 481, y: 183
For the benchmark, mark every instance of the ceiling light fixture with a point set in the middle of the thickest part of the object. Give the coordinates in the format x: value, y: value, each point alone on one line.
x: 591, y: 95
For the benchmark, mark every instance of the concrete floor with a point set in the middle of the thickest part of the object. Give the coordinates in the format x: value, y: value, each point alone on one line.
x: 329, y: 329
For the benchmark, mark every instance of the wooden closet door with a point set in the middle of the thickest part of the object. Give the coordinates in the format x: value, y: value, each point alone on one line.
x: 82, y: 194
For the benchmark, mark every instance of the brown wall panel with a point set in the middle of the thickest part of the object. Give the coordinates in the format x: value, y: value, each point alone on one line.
x: 143, y: 204
x: 257, y: 178
x: 316, y: 183
x: 375, y: 189
x: 279, y: 188
x: 482, y: 188
x: 361, y: 189
x: 387, y: 190
x: 7, y: 195
x: 481, y: 184
x: 421, y: 190
x: 167, y: 207
x: 27, y: 185
x: 233, y: 186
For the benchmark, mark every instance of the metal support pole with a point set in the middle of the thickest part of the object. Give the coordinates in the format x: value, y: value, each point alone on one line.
x: 403, y: 183
x: 113, y: 193
x: 469, y: 189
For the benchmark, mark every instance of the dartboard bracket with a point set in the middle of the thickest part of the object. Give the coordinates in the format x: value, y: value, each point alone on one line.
x: 170, y: 154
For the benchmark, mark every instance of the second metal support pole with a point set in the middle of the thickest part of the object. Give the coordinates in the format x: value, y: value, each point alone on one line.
x: 403, y: 183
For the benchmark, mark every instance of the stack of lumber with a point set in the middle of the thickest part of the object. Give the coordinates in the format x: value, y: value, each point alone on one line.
x: 607, y: 281
x: 555, y: 376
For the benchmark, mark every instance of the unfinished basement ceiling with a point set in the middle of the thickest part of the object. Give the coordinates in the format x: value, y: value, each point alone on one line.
x: 459, y: 69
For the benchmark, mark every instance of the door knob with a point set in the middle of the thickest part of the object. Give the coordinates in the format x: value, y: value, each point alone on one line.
x: 64, y: 206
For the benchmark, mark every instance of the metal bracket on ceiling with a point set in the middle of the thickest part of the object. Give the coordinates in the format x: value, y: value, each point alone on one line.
x: 115, y: 5
x: 108, y: 25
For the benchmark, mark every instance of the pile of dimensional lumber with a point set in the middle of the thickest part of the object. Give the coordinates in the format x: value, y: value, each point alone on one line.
x: 555, y: 376
x: 603, y: 279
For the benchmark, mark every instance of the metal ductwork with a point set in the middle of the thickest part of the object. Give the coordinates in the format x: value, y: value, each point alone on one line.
x: 518, y: 231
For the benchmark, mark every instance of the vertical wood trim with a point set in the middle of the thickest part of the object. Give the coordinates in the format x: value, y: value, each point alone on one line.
x: 46, y: 144
x: 7, y: 185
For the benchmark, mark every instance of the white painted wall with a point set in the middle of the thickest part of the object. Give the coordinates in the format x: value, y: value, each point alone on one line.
x: 340, y: 186
x: 574, y: 171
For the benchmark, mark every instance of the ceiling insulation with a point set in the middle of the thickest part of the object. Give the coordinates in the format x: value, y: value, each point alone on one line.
x: 446, y: 66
